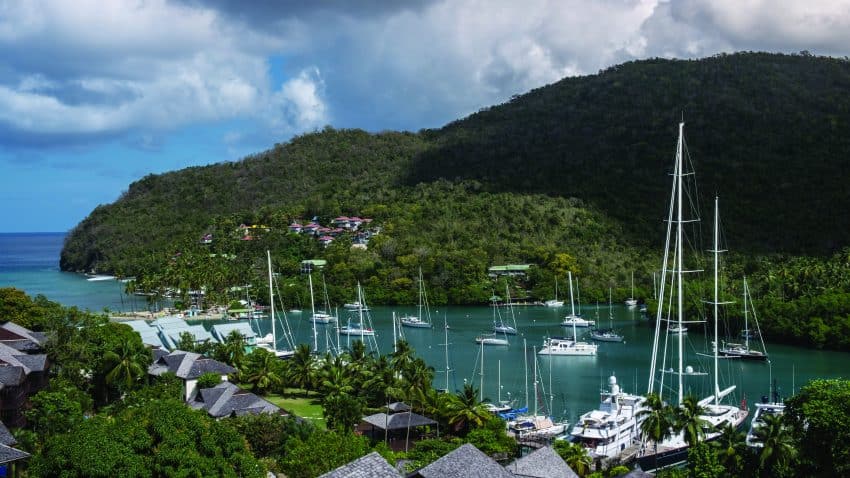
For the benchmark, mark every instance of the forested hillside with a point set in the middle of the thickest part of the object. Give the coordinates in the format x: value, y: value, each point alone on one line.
x: 571, y: 176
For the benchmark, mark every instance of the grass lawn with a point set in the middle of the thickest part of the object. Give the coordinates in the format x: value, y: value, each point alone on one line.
x: 300, y: 403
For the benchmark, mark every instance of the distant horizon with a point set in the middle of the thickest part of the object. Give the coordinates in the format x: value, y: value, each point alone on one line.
x: 19, y: 233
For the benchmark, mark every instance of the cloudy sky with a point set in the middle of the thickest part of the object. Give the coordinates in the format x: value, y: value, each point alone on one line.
x: 94, y: 94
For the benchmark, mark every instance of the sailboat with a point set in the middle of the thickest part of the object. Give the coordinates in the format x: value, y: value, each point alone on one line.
x: 501, y: 327
x: 554, y: 302
x: 536, y: 426
x: 744, y: 351
x: 631, y: 301
x: 573, y: 319
x: 358, y: 327
x: 419, y: 321
x: 565, y: 345
x: 321, y: 316
x: 607, y: 335
x: 674, y: 449
x: 493, y: 339
x: 272, y: 347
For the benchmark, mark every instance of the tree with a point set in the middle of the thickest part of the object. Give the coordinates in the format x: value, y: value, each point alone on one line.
x: 575, y: 455
x: 126, y: 365
x: 342, y: 411
x: 657, y: 420
x: 157, y: 438
x: 321, y: 452
x: 778, y: 449
x: 302, y: 367
x: 819, y: 416
x: 687, y: 419
x: 208, y: 380
x: 263, y: 370
x: 464, y: 409
x: 702, y: 462
x: 731, y: 448
x: 57, y: 409
x: 268, y: 433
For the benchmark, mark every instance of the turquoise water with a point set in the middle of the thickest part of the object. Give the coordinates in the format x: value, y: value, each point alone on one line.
x: 31, y: 262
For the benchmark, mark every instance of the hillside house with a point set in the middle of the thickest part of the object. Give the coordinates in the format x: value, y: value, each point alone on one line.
x: 188, y: 367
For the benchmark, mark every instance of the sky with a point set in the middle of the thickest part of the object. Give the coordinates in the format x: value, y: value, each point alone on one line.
x: 95, y: 95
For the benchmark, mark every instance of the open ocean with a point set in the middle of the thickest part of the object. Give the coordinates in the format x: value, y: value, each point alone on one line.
x: 31, y: 262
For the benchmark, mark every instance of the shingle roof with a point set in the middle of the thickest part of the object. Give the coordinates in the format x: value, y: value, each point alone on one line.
x: 24, y: 333
x: 637, y: 473
x: 188, y: 365
x: 6, y: 437
x: 36, y: 363
x: 372, y: 465
x: 226, y: 399
x: 11, y: 375
x: 221, y: 331
x: 8, y: 454
x: 542, y: 463
x: 398, y: 407
x: 464, y: 462
x: 398, y: 421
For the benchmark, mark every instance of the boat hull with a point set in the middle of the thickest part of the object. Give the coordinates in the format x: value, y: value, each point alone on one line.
x: 605, y: 338
x: 415, y: 325
x: 743, y: 355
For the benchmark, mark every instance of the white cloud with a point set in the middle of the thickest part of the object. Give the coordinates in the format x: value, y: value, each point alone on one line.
x: 301, y: 100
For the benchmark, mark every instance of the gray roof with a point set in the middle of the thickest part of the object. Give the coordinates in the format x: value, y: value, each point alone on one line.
x: 24, y: 333
x: 221, y: 331
x: 9, y: 454
x: 6, y: 437
x: 226, y: 399
x: 150, y: 335
x: 36, y: 363
x: 398, y: 421
x: 464, y: 462
x: 12, y: 376
x: 542, y: 463
x: 188, y: 365
x: 398, y: 407
x: 198, y: 332
x: 372, y: 465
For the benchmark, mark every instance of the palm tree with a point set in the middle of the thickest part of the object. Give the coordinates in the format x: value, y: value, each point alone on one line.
x: 233, y: 349
x: 575, y: 455
x: 381, y: 382
x: 687, y: 419
x: 334, y: 378
x: 730, y: 446
x: 657, y: 420
x: 403, y: 355
x: 263, y: 370
x: 302, y: 367
x: 464, y: 409
x: 126, y: 366
x: 778, y: 445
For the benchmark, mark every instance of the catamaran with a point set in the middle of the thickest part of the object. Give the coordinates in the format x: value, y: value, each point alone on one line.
x: 674, y: 449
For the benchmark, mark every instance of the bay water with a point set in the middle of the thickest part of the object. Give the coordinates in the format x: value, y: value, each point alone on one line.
x: 30, y: 262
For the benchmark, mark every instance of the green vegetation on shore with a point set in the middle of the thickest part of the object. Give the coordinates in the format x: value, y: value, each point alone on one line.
x: 571, y: 176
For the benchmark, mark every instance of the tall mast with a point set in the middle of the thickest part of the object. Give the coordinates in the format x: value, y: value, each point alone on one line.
x: 420, y: 294
x: 481, y: 376
x: 572, y: 304
x: 679, y: 246
x: 716, y: 296
x: 663, y: 280
x: 313, y: 312
x: 534, y: 351
x: 359, y: 309
x: 446, y: 330
x: 271, y: 300
x: 499, y: 392
x: 746, y: 323
x: 525, y: 362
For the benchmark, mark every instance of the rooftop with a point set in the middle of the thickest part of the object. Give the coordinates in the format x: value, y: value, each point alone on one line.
x: 372, y: 465
x: 464, y: 462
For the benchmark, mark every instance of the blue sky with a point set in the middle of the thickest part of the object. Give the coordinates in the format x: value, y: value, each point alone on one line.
x: 95, y: 95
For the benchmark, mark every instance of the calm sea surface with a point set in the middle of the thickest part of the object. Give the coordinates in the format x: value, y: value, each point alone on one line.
x: 31, y: 262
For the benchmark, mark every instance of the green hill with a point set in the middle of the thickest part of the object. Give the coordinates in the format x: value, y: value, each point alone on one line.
x: 570, y: 175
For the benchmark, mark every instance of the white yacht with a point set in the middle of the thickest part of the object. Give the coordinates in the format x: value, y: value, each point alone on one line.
x: 566, y: 346
x: 762, y: 410
x: 572, y: 319
x: 613, y: 427
x: 490, y: 339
